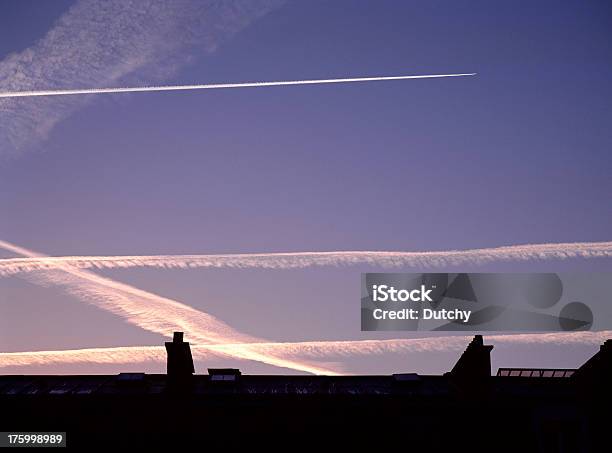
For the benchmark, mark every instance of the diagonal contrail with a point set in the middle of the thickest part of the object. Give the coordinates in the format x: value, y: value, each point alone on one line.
x: 291, y: 260
x: 157, y: 314
x: 65, y: 92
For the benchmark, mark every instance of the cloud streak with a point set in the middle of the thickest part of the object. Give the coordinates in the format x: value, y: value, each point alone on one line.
x: 293, y: 260
x: 297, y: 350
x: 155, y: 313
x: 213, y: 337
x: 107, y: 43
x: 67, y: 92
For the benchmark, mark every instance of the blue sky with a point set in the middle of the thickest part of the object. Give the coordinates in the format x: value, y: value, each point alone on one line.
x: 518, y: 154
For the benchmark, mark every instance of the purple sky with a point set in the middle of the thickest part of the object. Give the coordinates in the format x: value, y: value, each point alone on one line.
x: 518, y: 154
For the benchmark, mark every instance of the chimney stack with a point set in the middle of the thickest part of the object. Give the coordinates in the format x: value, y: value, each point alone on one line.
x: 475, y: 362
x: 180, y: 362
x: 471, y: 374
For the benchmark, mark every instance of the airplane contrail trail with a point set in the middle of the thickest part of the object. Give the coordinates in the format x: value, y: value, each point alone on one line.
x: 66, y: 92
x: 307, y: 349
x: 10, y: 266
x: 156, y: 313
x: 163, y: 315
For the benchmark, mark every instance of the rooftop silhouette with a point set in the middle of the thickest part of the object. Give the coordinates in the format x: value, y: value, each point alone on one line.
x: 531, y: 409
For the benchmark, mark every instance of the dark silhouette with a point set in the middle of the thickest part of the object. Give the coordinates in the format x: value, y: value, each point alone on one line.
x: 465, y: 409
x: 179, y: 367
x: 180, y: 362
x: 475, y: 362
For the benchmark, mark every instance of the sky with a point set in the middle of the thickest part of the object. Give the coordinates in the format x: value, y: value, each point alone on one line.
x: 517, y: 154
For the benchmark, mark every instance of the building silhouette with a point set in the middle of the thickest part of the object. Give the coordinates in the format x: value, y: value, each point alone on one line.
x: 466, y: 409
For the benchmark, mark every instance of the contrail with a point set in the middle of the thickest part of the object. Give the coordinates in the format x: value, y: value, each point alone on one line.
x: 106, y: 44
x: 10, y: 266
x: 163, y: 315
x: 308, y: 349
x: 156, y: 313
x: 66, y: 92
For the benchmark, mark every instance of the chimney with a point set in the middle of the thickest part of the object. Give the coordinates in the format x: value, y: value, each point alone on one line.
x: 474, y: 363
x: 180, y: 362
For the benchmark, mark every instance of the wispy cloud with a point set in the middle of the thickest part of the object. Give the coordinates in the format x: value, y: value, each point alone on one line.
x: 108, y: 43
x: 318, y: 350
x: 529, y: 252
